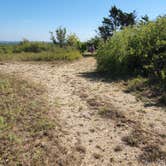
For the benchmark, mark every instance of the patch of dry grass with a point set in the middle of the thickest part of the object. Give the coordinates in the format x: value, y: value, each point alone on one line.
x: 150, y: 144
x: 26, y: 132
x: 151, y: 93
x: 152, y: 153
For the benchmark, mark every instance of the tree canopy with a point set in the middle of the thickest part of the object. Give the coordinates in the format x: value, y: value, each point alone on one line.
x: 60, y: 36
x: 116, y: 20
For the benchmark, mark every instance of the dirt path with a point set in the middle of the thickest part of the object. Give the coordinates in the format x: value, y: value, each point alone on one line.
x: 97, y: 116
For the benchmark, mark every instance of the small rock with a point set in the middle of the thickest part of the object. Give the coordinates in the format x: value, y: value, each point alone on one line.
x: 118, y: 148
x: 111, y: 159
x: 90, y: 140
x: 81, y: 149
x: 92, y: 130
x: 81, y: 125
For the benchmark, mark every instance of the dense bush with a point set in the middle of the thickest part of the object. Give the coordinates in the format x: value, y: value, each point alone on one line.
x: 4, y: 49
x: 136, y: 50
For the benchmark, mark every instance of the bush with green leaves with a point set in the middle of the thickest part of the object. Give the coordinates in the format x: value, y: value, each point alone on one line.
x: 73, y: 40
x: 4, y: 48
x: 136, y: 50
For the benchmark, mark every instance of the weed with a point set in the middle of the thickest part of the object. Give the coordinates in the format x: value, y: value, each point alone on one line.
x: 103, y: 111
x: 136, y: 84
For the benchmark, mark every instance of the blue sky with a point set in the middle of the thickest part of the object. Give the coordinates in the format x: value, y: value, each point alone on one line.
x: 33, y: 19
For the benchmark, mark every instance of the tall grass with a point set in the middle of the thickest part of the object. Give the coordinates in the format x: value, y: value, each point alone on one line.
x: 37, y: 51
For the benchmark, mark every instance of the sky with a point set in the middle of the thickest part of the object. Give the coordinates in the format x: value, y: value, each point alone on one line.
x: 33, y: 19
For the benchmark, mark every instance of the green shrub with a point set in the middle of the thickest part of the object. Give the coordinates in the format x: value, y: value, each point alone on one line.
x: 136, y: 50
x: 163, y: 99
x: 4, y: 49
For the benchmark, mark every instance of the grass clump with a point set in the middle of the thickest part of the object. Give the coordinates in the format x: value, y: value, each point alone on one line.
x: 103, y: 111
x: 150, y: 143
x: 146, y: 90
x: 152, y: 153
x: 136, y: 84
x: 25, y: 128
x: 134, y: 139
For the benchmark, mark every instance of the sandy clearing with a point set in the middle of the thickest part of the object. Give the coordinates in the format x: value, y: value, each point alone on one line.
x: 79, y: 97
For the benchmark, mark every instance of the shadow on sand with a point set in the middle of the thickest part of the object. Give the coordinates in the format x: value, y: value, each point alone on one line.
x: 95, y: 76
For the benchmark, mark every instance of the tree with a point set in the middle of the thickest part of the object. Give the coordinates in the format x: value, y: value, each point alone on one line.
x: 116, y: 21
x: 24, y: 41
x: 73, y: 40
x: 144, y: 19
x: 95, y: 41
x: 53, y: 37
x: 61, y: 36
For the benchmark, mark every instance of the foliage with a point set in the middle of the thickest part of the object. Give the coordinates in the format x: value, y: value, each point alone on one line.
x: 60, y: 36
x: 117, y: 20
x: 144, y: 19
x: 136, y: 50
x: 53, y: 38
x: 38, y: 51
x: 73, y: 40
x: 137, y: 83
x: 4, y: 49
x: 83, y: 46
x: 95, y: 41
x: 147, y: 91
x: 27, y: 46
x: 54, y: 53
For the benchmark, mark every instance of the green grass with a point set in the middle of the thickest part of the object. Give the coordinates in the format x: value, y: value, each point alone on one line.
x: 37, y: 52
x: 137, y: 83
x: 25, y: 128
